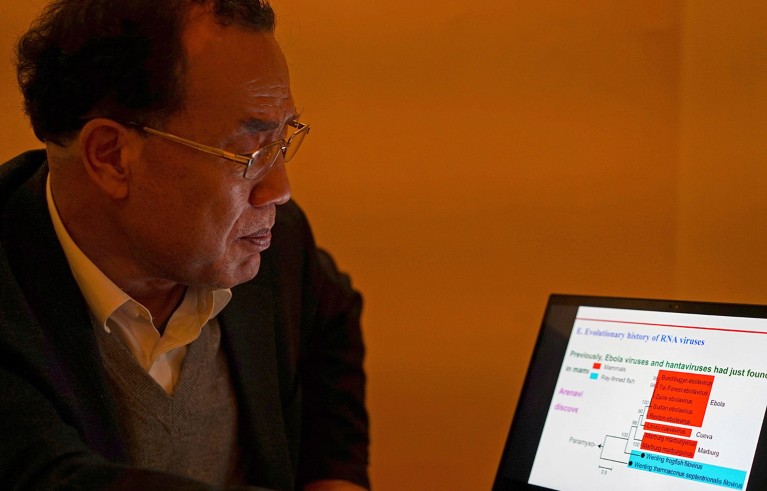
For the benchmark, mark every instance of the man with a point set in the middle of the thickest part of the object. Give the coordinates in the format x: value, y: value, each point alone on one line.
x: 166, y: 321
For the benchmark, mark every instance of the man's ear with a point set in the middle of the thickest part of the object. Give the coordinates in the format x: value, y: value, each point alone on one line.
x: 107, y: 152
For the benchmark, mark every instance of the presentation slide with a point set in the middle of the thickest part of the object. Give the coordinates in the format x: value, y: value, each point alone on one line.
x: 655, y: 400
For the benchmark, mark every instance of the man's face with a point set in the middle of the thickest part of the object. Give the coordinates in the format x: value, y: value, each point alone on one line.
x: 191, y: 217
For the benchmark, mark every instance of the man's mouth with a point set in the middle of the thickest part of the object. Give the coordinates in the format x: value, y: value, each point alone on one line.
x: 261, y: 239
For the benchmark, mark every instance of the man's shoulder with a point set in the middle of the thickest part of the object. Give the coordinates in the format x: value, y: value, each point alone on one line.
x: 24, y: 164
x: 292, y: 247
x: 290, y: 215
x: 18, y: 170
x: 291, y: 226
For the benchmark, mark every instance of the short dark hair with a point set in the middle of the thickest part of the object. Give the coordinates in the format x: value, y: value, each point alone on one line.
x: 121, y: 59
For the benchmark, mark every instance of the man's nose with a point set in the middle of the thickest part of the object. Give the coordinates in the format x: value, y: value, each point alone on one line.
x: 272, y: 188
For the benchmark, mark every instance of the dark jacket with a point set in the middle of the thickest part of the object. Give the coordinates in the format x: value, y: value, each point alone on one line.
x: 291, y: 335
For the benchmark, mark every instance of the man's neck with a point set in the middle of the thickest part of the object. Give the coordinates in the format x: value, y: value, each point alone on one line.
x: 161, y: 304
x: 91, y: 232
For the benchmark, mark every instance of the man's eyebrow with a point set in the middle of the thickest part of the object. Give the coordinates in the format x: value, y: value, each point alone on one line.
x: 258, y: 125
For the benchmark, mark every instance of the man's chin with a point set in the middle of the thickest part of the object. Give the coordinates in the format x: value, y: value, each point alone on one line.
x: 230, y: 275
x: 241, y: 273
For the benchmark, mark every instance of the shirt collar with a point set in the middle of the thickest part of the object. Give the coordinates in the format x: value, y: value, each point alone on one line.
x: 101, y: 294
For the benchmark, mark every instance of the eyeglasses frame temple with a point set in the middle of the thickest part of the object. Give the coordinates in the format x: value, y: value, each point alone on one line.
x: 240, y: 158
x: 244, y: 159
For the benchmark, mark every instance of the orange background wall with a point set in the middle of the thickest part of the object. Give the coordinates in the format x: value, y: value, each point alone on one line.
x: 470, y: 158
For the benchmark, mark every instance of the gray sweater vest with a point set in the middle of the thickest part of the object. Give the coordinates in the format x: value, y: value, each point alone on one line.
x: 192, y: 432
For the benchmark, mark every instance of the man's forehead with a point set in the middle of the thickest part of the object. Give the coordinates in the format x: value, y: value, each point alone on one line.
x: 204, y: 33
x: 269, y: 106
x: 199, y: 29
x: 236, y: 69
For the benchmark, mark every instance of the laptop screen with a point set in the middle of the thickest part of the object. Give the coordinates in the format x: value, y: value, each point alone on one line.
x: 627, y: 394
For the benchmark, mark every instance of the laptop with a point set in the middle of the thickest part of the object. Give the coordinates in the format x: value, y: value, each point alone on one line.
x: 630, y: 394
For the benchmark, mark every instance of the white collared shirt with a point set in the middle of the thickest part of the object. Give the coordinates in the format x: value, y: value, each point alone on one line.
x: 117, y: 313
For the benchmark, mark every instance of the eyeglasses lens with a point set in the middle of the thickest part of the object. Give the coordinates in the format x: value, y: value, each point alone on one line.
x: 294, y: 142
x: 264, y: 159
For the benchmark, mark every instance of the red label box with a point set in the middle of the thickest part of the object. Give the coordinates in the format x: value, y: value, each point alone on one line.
x: 669, y: 445
x: 671, y: 430
x: 680, y: 398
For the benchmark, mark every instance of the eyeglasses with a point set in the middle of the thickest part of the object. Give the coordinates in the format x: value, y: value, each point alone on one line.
x: 258, y: 163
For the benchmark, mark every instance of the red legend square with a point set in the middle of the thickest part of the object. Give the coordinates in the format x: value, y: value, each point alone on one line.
x: 597, y: 366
